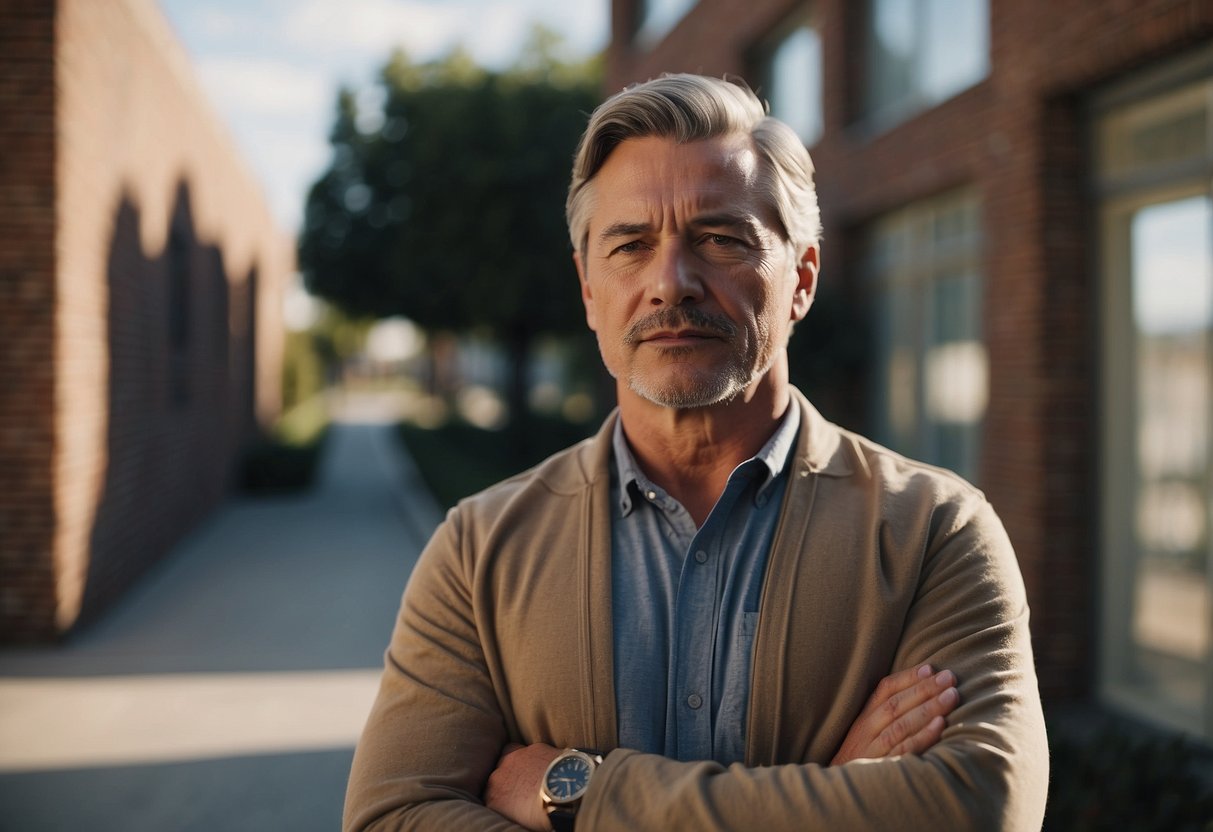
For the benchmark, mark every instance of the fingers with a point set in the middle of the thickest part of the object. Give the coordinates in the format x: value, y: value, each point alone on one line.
x: 921, y: 726
x: 905, y: 715
x: 927, y: 687
x: 923, y: 740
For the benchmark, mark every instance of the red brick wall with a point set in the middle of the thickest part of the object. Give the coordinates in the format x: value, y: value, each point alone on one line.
x: 1018, y: 138
x: 149, y: 231
x: 27, y: 310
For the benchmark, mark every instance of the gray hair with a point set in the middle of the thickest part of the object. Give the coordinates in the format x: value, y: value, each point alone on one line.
x: 688, y: 108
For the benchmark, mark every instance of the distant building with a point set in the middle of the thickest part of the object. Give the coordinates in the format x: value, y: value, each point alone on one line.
x: 1016, y: 196
x: 140, y: 306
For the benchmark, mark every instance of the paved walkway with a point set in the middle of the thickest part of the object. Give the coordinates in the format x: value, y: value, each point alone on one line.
x: 226, y: 691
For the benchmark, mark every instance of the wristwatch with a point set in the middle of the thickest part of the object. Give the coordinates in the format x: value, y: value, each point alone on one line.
x: 565, y: 783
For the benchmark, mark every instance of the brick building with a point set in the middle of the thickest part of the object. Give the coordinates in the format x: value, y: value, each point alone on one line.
x: 1018, y: 218
x: 140, y: 285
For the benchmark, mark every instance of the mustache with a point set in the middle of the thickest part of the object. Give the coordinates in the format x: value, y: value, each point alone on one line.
x: 679, y: 317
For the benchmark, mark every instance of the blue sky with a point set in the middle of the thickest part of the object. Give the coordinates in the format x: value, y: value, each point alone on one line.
x: 272, y: 68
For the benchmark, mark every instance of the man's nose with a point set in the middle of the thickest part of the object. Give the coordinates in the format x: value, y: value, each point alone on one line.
x: 676, y: 278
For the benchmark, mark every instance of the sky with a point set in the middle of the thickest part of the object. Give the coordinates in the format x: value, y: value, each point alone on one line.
x: 272, y: 68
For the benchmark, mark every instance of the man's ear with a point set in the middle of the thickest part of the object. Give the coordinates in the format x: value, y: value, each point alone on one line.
x: 587, y: 297
x: 807, y: 268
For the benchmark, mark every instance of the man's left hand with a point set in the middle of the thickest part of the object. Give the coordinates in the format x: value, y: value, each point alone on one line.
x: 513, y: 787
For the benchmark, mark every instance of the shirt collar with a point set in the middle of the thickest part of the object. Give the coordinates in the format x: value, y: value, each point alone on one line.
x: 773, y: 456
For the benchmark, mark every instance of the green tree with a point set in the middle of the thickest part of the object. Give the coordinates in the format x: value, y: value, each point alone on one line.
x: 451, y: 210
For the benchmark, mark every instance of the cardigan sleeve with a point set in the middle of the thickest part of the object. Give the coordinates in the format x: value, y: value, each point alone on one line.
x: 436, y: 730
x: 989, y: 771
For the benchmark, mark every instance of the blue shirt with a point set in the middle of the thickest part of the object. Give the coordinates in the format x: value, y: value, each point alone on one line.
x: 685, y: 603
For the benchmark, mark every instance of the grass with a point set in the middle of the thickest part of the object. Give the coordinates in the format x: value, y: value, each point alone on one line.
x: 457, y: 459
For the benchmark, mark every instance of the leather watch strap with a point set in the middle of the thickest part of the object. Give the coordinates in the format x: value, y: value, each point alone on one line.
x: 562, y: 821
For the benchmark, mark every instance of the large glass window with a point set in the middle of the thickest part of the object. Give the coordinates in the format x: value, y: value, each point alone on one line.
x: 1154, y: 156
x: 792, y: 80
x: 658, y: 17
x: 923, y: 265
x: 921, y: 52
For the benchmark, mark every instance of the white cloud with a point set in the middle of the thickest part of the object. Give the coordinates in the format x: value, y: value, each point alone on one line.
x: 376, y: 26
x: 264, y: 87
x: 500, y: 33
x: 585, y: 25
x: 288, y: 161
x: 492, y: 30
x: 221, y: 23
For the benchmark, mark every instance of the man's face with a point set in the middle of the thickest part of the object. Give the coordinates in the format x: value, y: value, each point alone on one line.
x: 687, y: 279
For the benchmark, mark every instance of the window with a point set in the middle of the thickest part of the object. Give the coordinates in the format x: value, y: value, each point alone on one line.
x: 1154, y: 166
x: 921, y: 52
x: 792, y: 81
x: 658, y: 17
x: 931, y: 375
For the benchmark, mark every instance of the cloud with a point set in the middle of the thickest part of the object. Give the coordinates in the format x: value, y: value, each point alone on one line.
x: 264, y: 87
x: 288, y: 161
x: 501, y: 32
x: 376, y: 26
x: 222, y: 23
x: 492, y: 30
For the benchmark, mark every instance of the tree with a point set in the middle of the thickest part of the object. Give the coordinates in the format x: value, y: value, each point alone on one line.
x: 451, y: 211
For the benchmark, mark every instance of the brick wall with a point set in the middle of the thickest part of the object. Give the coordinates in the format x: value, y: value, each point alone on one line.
x: 162, y: 278
x: 27, y: 309
x: 1018, y: 138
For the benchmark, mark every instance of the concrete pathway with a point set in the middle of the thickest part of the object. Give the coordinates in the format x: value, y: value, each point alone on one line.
x: 227, y: 689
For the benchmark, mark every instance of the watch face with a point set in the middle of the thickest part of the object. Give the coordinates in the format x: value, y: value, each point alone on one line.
x: 568, y: 777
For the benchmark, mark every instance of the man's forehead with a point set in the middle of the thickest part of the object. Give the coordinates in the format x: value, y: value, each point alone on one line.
x: 727, y: 155
x: 713, y: 178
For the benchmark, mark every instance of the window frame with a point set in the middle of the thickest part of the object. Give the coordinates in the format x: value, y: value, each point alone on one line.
x: 920, y: 278
x: 1117, y: 195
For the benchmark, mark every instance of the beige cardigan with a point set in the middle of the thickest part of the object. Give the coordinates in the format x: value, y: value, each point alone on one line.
x: 878, y: 564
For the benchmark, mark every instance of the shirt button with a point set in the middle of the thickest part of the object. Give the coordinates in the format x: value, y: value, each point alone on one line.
x: 695, y: 701
x: 701, y: 556
x: 652, y: 495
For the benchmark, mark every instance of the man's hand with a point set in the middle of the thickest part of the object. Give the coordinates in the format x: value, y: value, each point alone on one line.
x: 513, y: 787
x: 904, y: 715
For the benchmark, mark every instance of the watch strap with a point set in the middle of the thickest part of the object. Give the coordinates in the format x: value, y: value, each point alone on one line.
x: 563, y: 820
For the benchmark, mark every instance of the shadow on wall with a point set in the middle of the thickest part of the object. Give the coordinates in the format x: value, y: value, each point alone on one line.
x: 181, y: 400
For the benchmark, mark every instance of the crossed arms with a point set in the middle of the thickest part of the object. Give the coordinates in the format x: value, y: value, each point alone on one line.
x: 904, y: 715
x: 493, y: 652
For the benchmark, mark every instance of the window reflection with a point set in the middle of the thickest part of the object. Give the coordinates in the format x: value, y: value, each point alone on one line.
x: 794, y: 82
x: 933, y: 370
x: 921, y: 52
x: 1172, y: 301
x: 659, y: 17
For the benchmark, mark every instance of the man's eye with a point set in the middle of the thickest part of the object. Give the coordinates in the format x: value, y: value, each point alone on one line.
x: 629, y: 247
x: 721, y: 240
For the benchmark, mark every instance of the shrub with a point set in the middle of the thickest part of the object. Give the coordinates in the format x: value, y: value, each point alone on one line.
x: 1117, y: 780
x: 285, y: 460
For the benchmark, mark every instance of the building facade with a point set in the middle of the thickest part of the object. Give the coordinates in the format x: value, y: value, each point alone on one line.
x: 140, y: 293
x: 1018, y: 212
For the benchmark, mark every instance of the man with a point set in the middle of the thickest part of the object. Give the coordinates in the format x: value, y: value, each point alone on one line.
x: 733, y: 608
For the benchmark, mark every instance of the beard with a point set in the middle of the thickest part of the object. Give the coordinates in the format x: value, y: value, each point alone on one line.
x: 694, y: 387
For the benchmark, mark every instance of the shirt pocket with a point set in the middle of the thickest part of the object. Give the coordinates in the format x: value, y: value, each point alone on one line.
x: 747, y: 626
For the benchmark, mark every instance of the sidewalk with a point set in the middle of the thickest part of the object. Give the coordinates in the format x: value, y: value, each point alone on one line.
x: 226, y: 690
